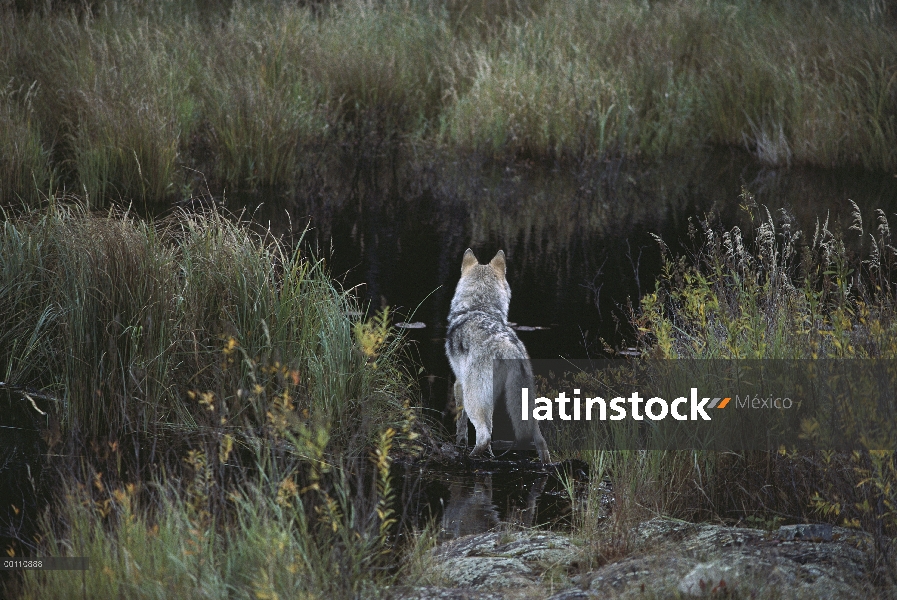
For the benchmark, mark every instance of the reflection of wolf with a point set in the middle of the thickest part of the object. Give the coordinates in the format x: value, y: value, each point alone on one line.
x: 478, y: 332
x: 471, y: 507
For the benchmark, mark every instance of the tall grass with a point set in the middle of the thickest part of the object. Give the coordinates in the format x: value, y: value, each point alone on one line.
x: 129, y: 100
x: 25, y: 168
x: 772, y: 292
x: 121, y: 318
x: 634, y: 78
x: 224, y: 426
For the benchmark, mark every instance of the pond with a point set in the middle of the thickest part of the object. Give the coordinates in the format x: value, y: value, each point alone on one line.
x: 580, y: 253
x: 578, y: 239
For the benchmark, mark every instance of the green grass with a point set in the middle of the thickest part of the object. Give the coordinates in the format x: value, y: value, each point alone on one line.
x: 224, y: 425
x: 306, y: 532
x: 121, y: 318
x: 130, y: 103
x: 770, y: 292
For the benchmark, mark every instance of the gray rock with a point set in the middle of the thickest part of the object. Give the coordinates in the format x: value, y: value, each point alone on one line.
x: 487, y: 573
x: 819, y: 533
x: 665, y: 558
x: 437, y: 593
x: 633, y: 575
x: 708, y: 578
x: 542, y: 547
x: 492, y: 561
x: 696, y: 559
x: 572, y: 594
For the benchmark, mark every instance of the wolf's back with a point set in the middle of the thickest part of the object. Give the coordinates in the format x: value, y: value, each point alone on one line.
x: 483, y: 336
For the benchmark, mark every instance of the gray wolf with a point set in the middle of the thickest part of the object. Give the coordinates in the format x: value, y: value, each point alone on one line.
x: 478, y: 332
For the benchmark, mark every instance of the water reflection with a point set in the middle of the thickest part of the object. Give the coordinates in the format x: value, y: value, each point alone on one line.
x: 473, y: 496
x: 471, y: 507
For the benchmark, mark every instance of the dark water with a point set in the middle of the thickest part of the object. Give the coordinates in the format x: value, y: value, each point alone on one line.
x: 471, y: 496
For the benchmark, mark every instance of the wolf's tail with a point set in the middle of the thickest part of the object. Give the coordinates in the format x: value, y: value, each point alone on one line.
x: 516, y: 375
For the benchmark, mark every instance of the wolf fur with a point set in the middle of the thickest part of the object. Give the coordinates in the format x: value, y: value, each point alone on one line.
x: 478, y: 332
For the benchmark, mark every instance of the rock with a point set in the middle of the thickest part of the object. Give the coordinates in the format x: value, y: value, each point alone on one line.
x: 666, y: 558
x: 708, y: 578
x: 448, y: 452
x: 531, y: 547
x: 706, y: 559
x: 487, y: 573
x: 633, y: 575
x: 437, y: 593
x: 816, y: 533
x: 491, y: 561
x: 572, y: 594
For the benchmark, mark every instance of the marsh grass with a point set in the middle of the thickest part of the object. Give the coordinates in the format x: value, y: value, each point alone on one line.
x: 221, y: 421
x: 127, y: 101
x: 122, y: 317
x: 769, y: 292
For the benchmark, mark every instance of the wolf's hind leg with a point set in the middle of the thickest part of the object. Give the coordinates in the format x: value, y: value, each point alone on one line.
x: 460, y: 416
x: 479, y: 411
x: 541, y: 446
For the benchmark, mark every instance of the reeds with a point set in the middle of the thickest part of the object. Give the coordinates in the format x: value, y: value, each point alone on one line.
x: 221, y: 426
x: 771, y: 292
x: 126, y: 102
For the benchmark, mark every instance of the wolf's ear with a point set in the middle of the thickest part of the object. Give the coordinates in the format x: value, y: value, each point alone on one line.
x: 498, y: 264
x: 469, y: 262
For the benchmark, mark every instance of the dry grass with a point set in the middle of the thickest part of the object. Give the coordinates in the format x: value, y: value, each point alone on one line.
x: 122, y: 103
x: 771, y: 293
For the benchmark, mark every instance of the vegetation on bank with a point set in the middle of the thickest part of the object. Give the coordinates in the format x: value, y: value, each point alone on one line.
x: 220, y: 424
x: 229, y: 429
x: 771, y: 293
x: 147, y: 101
x: 122, y: 318
x: 777, y: 291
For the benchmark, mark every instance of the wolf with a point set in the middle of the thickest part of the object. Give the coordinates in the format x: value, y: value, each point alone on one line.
x: 478, y: 332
